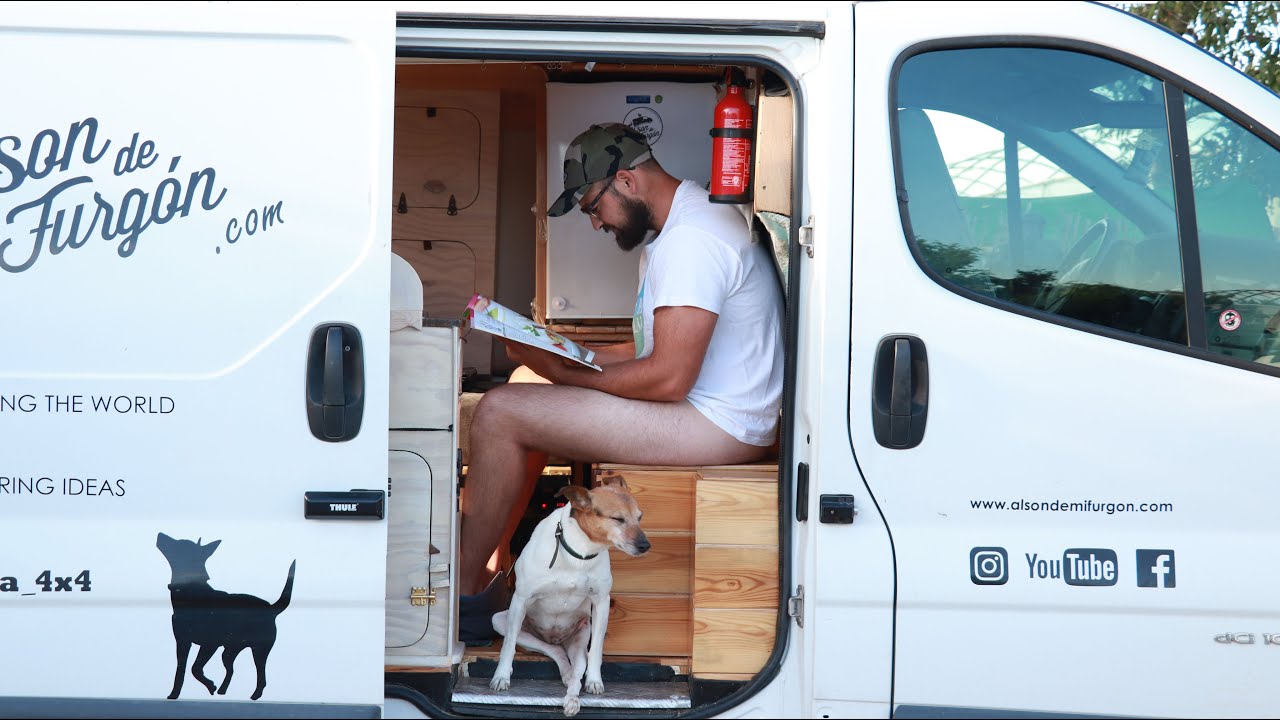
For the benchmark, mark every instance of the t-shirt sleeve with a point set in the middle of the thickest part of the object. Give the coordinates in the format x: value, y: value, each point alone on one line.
x: 694, y: 269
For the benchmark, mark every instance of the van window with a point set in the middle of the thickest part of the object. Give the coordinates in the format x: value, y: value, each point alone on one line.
x: 1041, y: 177
x: 1236, y: 177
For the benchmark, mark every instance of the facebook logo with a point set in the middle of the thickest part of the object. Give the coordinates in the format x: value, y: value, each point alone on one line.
x: 1156, y: 569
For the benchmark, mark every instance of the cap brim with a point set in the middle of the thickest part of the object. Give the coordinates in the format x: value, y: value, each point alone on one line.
x: 567, y: 201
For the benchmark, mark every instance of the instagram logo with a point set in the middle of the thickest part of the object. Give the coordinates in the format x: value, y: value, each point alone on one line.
x: 988, y: 566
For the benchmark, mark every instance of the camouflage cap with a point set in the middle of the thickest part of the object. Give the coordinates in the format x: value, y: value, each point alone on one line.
x: 596, y: 155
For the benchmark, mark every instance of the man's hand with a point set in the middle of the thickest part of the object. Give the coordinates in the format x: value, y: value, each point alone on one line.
x: 680, y: 338
x: 548, y: 365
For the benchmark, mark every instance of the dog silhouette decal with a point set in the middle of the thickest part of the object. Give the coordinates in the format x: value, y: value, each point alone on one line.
x: 215, y: 619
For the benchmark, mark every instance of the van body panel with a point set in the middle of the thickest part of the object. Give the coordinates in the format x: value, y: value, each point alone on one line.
x: 174, y: 232
x: 1046, y: 442
x: 1079, y: 531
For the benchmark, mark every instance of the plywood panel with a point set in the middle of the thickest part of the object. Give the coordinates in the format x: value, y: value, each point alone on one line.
x: 735, y: 576
x: 648, y: 625
x: 666, y: 568
x: 435, y: 157
x: 732, y: 641
x: 423, y: 387
x: 774, y: 142
x: 408, y: 554
x: 666, y: 497
x: 438, y: 157
x: 732, y: 512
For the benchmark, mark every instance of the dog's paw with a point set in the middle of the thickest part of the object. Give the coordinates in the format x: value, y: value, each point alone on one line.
x: 571, y: 705
x: 500, y: 682
x: 595, y: 686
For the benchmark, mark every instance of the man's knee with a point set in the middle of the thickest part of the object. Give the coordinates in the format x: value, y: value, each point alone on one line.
x: 503, y: 409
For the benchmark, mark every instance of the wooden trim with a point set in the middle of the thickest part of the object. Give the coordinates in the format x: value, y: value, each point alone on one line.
x: 734, y: 677
x: 749, y: 469
x: 540, y: 210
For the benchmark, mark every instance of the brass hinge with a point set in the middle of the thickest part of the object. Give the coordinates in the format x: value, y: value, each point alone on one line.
x: 420, y: 596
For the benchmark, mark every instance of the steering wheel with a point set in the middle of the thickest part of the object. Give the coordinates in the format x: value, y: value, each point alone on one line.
x: 1076, y: 267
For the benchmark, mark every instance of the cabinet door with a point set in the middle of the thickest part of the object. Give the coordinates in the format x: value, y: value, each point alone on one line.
x: 408, y: 545
x: 445, y: 200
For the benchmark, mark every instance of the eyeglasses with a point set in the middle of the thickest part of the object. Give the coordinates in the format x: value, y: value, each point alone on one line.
x: 590, y: 208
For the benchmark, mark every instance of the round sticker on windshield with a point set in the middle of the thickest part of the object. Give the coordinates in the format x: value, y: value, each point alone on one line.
x: 1229, y: 320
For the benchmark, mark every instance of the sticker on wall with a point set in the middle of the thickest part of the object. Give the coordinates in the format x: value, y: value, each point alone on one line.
x: 647, y: 121
x: 1229, y: 320
x: 216, y: 619
x: 1156, y: 569
x: 989, y: 566
x: 1090, y: 567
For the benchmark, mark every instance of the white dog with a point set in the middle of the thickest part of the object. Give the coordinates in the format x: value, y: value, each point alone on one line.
x: 560, y: 606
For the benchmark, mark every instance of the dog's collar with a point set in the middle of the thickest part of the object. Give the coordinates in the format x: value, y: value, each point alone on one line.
x: 560, y: 543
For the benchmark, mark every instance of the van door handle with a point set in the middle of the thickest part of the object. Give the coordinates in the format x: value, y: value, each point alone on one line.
x: 900, y: 392
x: 335, y: 382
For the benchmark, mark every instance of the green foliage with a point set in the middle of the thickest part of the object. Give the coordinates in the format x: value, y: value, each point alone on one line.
x: 1244, y: 34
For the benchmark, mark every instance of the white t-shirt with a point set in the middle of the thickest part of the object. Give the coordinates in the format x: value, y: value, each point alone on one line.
x: 704, y: 258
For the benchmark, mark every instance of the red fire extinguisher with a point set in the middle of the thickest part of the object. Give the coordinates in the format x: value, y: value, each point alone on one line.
x: 731, y: 155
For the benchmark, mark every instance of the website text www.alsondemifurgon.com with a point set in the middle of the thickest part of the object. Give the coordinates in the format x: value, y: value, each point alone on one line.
x: 1083, y: 506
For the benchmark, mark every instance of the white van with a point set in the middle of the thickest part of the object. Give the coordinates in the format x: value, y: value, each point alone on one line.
x: 1031, y: 256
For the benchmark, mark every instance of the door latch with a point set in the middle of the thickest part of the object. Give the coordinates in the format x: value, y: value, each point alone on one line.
x: 420, y: 596
x: 795, y: 605
x: 806, y: 237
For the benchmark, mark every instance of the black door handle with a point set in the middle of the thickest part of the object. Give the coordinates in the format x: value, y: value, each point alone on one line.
x: 335, y: 382
x: 900, y: 392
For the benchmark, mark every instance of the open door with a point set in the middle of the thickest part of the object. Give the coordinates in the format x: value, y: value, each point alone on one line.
x: 194, y: 283
x: 1068, y: 461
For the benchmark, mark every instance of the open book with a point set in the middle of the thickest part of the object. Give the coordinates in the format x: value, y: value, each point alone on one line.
x: 487, y: 315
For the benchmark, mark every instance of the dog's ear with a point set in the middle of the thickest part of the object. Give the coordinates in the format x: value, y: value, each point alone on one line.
x: 615, y: 480
x: 577, y: 496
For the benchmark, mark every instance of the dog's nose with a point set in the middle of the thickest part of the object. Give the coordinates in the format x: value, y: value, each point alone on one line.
x: 643, y: 545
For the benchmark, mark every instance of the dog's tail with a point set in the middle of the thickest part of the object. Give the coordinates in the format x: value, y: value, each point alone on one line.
x: 287, y: 593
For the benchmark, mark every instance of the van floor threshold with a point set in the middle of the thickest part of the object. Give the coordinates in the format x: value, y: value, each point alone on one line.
x: 550, y: 693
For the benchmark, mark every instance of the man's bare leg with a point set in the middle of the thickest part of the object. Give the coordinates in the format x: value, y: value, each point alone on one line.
x: 576, y: 423
x: 534, y: 463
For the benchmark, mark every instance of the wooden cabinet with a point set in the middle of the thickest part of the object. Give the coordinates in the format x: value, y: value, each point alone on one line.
x: 422, y: 498
x: 706, y: 595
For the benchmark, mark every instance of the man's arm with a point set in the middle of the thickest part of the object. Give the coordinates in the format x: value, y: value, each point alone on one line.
x: 680, y: 339
x: 609, y: 354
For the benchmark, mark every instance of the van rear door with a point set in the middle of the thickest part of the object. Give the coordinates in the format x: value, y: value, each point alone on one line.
x: 194, y: 299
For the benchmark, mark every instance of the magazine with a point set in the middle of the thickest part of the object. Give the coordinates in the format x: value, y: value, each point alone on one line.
x: 487, y: 315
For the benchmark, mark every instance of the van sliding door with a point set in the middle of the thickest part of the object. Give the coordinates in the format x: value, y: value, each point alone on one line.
x: 194, y: 299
